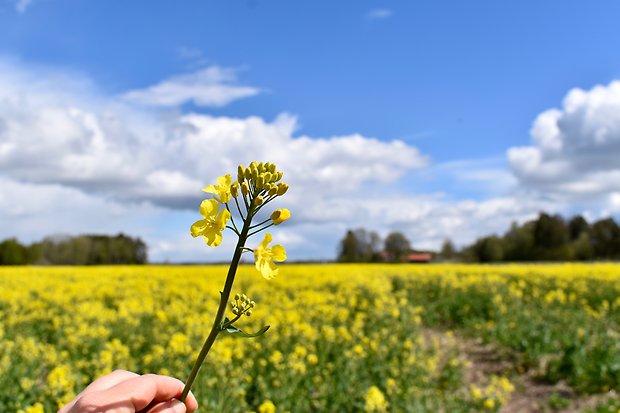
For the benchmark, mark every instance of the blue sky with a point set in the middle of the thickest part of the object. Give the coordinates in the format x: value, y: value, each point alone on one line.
x: 459, y: 84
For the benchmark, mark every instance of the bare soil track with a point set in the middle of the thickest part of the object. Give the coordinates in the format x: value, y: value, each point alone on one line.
x: 531, y: 394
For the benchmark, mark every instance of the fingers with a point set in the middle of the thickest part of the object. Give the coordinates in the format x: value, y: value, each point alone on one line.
x: 124, y: 391
x: 171, y: 406
x: 137, y: 393
x: 109, y: 380
x: 102, y: 383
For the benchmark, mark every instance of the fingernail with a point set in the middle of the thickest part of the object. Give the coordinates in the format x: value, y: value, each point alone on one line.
x: 177, y: 406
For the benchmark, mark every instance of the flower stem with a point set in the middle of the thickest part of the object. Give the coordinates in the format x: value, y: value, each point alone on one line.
x: 224, y: 297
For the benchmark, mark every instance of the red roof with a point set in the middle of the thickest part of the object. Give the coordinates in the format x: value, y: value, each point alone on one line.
x: 419, y: 257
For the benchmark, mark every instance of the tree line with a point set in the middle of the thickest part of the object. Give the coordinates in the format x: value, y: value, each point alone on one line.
x: 78, y: 250
x: 360, y: 245
x: 548, y: 238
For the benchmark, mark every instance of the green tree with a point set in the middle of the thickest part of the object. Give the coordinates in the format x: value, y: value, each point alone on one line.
x: 397, y: 246
x: 551, y: 238
x: 12, y: 252
x: 488, y: 249
x: 605, y: 236
x: 582, y: 247
x: 577, y: 226
x: 519, y: 242
x: 448, y: 252
x: 359, y: 246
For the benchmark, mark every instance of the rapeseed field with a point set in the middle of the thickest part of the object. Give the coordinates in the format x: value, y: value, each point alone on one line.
x: 343, y: 338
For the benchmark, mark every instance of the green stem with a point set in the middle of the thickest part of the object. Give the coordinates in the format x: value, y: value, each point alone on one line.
x: 224, y: 297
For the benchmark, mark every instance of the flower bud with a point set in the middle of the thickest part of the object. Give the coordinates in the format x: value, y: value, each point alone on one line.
x: 258, y: 200
x: 248, y: 313
x: 240, y: 173
x: 247, y: 174
x: 272, y: 168
x: 267, y: 176
x: 234, y: 189
x: 237, y: 297
x: 280, y: 215
x: 282, y: 188
x: 245, y: 188
x: 260, y: 182
x: 273, y: 190
x: 244, y: 298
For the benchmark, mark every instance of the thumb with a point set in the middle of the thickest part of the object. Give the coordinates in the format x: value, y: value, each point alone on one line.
x: 170, y: 406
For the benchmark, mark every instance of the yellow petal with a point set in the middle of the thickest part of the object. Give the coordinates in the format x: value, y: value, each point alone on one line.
x: 266, y: 240
x: 278, y: 253
x: 213, y: 237
x: 198, y: 228
x: 268, y: 269
x: 210, y: 189
x: 224, y: 181
x: 258, y: 260
x: 222, y: 219
x: 209, y: 208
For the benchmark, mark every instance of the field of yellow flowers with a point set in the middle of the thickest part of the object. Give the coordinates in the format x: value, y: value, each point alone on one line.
x: 343, y: 338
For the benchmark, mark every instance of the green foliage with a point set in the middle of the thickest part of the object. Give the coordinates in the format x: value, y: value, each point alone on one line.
x: 396, y: 245
x: 566, y: 331
x: 13, y: 253
x: 80, y: 250
x: 359, y: 246
x: 550, y: 238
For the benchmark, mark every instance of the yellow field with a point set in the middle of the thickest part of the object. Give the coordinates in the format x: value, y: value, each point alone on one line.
x: 342, y: 338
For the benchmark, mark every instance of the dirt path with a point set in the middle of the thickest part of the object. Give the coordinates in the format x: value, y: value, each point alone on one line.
x: 531, y: 395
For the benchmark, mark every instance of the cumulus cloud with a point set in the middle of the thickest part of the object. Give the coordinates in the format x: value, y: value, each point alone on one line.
x: 32, y: 211
x: 214, y: 86
x: 379, y: 14
x: 73, y: 160
x: 575, y: 149
x: 81, y: 140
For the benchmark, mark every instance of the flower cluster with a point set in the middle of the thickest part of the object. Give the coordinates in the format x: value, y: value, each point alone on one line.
x: 256, y: 186
x: 242, y: 305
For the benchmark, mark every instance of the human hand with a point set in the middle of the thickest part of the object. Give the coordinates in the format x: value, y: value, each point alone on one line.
x: 126, y: 392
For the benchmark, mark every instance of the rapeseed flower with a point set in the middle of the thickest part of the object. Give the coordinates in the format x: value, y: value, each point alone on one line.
x: 375, y: 400
x: 267, y: 407
x: 265, y: 256
x: 222, y: 189
x: 212, y: 225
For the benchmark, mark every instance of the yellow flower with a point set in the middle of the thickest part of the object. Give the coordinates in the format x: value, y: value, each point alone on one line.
x: 280, y: 215
x: 489, y: 404
x: 264, y: 257
x: 212, y: 225
x: 375, y: 400
x: 267, y: 407
x: 222, y: 189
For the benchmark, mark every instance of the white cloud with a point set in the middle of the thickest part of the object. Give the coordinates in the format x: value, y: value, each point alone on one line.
x: 32, y: 211
x: 107, y: 148
x: 92, y: 154
x: 576, y: 149
x: 379, y: 14
x: 214, y: 86
x: 22, y: 5
x: 73, y: 160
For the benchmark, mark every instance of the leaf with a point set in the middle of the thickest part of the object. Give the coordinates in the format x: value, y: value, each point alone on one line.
x: 225, y: 321
x: 239, y: 333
